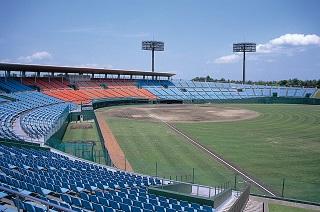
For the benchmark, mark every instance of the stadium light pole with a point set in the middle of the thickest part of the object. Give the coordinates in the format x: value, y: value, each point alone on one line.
x: 244, y: 47
x: 153, y: 46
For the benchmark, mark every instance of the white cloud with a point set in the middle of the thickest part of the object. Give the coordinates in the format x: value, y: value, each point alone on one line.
x: 286, y: 41
x: 296, y: 40
x: 37, y: 56
x: 227, y: 59
x: 287, y: 44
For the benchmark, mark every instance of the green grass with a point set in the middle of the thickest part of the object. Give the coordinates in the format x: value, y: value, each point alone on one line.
x: 145, y: 143
x: 90, y: 134
x: 79, y: 142
x: 282, y: 208
x: 283, y: 142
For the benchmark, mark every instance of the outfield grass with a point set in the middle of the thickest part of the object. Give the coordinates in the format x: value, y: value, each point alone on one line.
x: 145, y: 143
x: 282, y: 208
x: 283, y: 142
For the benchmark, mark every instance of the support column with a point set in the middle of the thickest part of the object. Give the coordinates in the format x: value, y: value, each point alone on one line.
x: 152, y: 66
x: 244, y: 68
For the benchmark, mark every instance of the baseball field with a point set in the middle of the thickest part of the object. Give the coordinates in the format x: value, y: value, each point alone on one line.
x: 274, y: 144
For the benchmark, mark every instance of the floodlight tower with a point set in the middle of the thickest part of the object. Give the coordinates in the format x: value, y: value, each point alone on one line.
x: 244, y: 47
x: 153, y: 46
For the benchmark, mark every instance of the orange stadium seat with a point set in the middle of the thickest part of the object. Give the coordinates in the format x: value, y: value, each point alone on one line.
x: 46, y: 83
x: 89, y: 90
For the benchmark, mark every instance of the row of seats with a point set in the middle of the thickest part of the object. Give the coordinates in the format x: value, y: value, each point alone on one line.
x: 85, y: 91
x: 190, y: 90
x: 87, y: 95
x: 10, y: 85
x: 52, y: 83
x: 38, y: 122
x: 81, y: 186
x: 23, y: 103
x: 2, y: 100
x: 110, y: 83
x: 47, y: 83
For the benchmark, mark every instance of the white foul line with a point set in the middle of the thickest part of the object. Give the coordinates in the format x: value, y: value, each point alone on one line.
x: 212, y: 154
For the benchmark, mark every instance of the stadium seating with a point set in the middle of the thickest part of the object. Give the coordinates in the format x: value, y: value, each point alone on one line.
x: 38, y: 122
x: 86, y: 91
x: 10, y: 85
x: 190, y: 90
x: 2, y: 99
x: 47, y: 83
x: 79, y: 185
x: 25, y: 102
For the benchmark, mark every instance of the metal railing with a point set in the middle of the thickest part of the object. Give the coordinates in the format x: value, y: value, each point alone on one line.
x: 197, y: 189
x: 34, y: 199
x: 241, y: 202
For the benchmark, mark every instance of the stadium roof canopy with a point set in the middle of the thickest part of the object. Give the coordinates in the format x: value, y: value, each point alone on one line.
x: 77, y: 70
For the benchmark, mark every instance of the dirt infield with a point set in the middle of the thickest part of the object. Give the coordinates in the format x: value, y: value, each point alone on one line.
x: 116, y: 154
x: 183, y: 113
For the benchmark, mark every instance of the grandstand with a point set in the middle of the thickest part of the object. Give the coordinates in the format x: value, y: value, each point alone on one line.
x: 33, y: 108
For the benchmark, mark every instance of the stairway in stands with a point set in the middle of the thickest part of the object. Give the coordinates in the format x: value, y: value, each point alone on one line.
x: 254, y: 206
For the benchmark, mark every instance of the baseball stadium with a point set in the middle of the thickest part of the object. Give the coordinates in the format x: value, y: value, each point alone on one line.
x: 90, y: 139
x: 159, y: 106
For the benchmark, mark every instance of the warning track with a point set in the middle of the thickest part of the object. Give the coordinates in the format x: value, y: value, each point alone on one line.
x: 117, y: 156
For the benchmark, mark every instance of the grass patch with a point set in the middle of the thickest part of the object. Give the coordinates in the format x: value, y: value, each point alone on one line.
x: 283, y: 142
x: 282, y: 208
x: 84, y: 142
x: 89, y: 134
x: 145, y: 143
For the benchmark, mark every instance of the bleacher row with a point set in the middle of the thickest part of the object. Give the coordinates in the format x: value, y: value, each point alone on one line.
x: 10, y: 85
x: 87, y: 95
x: 190, y: 90
x: 2, y: 100
x: 25, y: 103
x: 38, y: 122
x: 86, y: 91
x: 78, y: 185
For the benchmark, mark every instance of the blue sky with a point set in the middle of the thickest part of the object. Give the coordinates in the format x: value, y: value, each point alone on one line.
x: 198, y: 35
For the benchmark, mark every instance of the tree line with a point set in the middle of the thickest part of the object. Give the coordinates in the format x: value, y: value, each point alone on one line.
x: 288, y: 83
